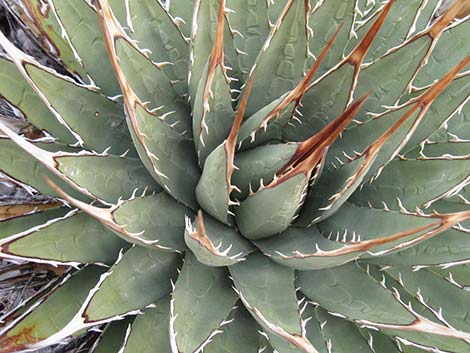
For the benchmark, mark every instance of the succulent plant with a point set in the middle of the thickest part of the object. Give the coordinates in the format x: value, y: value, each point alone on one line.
x: 243, y: 176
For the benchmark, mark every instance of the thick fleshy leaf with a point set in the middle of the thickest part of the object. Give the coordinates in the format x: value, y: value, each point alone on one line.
x: 325, y: 17
x: 336, y: 290
x: 10, y: 211
x: 159, y: 218
x: 138, y: 279
x: 149, y: 331
x: 41, y: 20
x: 250, y: 21
x: 89, y: 173
x: 313, y: 331
x: 451, y: 129
x: 168, y: 155
x: 212, y: 107
x: 148, y: 81
x: 326, y: 199
x: 239, y: 335
x: 305, y: 249
x: 157, y: 33
x: 261, y: 215
x: 81, y: 109
x: 182, y: 11
x: 203, y: 39
x: 107, y: 177
x: 447, y: 248
x: 21, y: 222
x: 329, y: 95
x: 341, y: 335
x: 400, y: 24
x: 52, y: 314
x: 439, y: 62
x: 270, y: 296
x: 215, y: 185
x: 282, y: 59
x: 414, y: 183
x: 355, y: 232
x: 16, y: 90
x: 155, y: 222
x: 213, y: 189
x: 73, y: 239
x: 113, y: 336
x: 202, y: 294
x: 268, y: 123
x: 79, y: 25
x: 437, y: 294
x: 259, y: 165
x: 428, y: 339
x: 406, y: 59
x: 215, y: 244
x: 436, y: 105
x: 27, y: 170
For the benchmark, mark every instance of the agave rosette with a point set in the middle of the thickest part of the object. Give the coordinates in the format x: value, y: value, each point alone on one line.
x: 243, y: 176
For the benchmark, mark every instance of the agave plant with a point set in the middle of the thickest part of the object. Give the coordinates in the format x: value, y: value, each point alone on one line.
x: 243, y: 176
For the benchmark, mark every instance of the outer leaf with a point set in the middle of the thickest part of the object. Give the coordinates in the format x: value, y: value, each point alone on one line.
x: 81, y: 109
x: 414, y: 302
x: 329, y: 95
x: 282, y: 58
x: 33, y: 328
x: 250, y: 21
x: 269, y: 294
x: 436, y: 293
x: 149, y: 82
x: 112, y: 337
x: 16, y: 90
x: 150, y: 330
x: 182, y: 11
x: 138, y: 279
x: 342, y: 335
x: 436, y: 105
x: 203, y: 39
x: 158, y: 32
x: 156, y: 221
x: 400, y: 25
x: 407, y: 59
x: 72, y: 239
x: 80, y: 27
x: 27, y: 170
x: 74, y: 169
x: 439, y: 62
x: 212, y: 108
x: 419, y: 183
x: 167, y: 155
x: 325, y: 200
x: 325, y: 17
x: 238, y: 336
x: 40, y: 18
x: 28, y: 220
x: 215, y: 244
x: 352, y: 233
x: 449, y: 247
x: 201, y: 294
x: 336, y: 290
